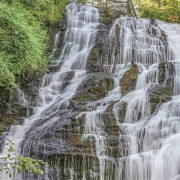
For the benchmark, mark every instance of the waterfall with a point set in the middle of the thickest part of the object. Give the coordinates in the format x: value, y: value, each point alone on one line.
x: 146, y: 140
x: 55, y: 92
x: 150, y: 142
x: 125, y: 136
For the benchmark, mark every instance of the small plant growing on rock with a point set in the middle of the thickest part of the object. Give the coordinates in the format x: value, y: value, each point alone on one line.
x: 16, y: 162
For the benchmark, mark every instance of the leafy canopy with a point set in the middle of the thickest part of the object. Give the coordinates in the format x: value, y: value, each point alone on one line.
x: 166, y: 10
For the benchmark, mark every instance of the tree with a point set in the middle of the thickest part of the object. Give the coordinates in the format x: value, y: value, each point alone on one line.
x: 124, y: 6
x: 17, y: 162
x: 167, y: 10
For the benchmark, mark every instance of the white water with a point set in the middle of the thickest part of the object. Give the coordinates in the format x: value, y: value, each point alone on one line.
x: 150, y: 143
x: 79, y: 39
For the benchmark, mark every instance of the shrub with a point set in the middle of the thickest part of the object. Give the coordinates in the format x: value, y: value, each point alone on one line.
x: 166, y: 10
x: 23, y: 36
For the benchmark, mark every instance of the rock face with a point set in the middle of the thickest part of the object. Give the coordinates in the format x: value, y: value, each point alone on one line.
x: 70, y: 138
x: 94, y: 87
x: 17, y: 104
x: 129, y: 79
x: 162, y: 93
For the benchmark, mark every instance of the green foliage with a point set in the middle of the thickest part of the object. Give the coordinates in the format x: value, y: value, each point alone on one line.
x: 83, y: 2
x: 166, y: 10
x: 45, y: 10
x: 21, y: 47
x: 23, y: 36
x: 17, y: 162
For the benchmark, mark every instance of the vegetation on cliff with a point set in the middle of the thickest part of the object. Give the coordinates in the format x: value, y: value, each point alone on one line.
x: 23, y: 36
x: 166, y: 10
x: 14, y: 161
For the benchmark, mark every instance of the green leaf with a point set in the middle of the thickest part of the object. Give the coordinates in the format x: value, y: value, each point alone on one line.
x: 20, y: 162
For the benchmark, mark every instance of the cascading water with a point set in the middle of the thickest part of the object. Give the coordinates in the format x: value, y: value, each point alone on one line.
x: 148, y: 143
x: 141, y: 140
x: 54, y: 93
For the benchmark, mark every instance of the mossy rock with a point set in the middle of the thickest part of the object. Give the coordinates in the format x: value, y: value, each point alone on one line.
x: 61, y: 165
x: 96, y: 86
x: 10, y: 118
x: 92, y: 63
x: 111, y: 126
x: 160, y: 95
x: 19, y: 110
x: 108, y: 15
x: 162, y: 72
x: 57, y: 53
x: 112, y: 130
x: 54, y: 68
x: 67, y: 76
x: 79, y: 145
x: 129, y: 79
x: 114, y: 150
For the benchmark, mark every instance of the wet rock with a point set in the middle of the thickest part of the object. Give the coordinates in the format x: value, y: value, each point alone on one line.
x: 162, y: 75
x: 108, y: 15
x: 162, y: 93
x: 113, y: 131
x: 19, y: 110
x: 63, y: 164
x: 53, y: 68
x: 94, y: 58
x: 128, y: 81
x: 166, y: 73
x: 57, y: 53
x: 111, y: 127
x: 94, y: 87
x: 67, y: 76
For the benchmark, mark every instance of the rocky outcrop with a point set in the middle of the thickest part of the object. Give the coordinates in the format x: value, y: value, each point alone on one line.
x: 94, y: 87
x: 93, y: 63
x: 109, y: 15
x: 128, y: 81
x: 162, y: 93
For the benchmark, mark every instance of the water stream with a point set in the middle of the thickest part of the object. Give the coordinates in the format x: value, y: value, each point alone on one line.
x: 149, y: 142
x: 54, y: 92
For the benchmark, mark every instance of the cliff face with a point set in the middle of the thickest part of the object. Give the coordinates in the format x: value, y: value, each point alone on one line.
x: 9, y: 113
x: 18, y: 103
x: 127, y: 80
